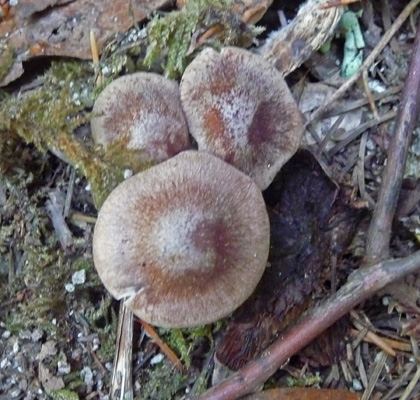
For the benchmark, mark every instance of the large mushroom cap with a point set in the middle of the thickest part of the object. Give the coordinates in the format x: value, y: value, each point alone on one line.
x: 185, y: 241
x: 239, y: 108
x: 143, y: 109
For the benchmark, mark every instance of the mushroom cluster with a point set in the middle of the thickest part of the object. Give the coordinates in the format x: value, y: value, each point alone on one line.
x: 186, y: 242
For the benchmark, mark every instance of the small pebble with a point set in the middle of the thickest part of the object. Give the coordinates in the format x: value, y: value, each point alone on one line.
x: 37, y: 335
x: 4, y: 363
x: 357, y: 385
x: 87, y: 375
x: 63, y: 368
x: 69, y: 287
x: 158, y: 358
x: 15, y: 347
x: 79, y: 277
x: 6, y: 335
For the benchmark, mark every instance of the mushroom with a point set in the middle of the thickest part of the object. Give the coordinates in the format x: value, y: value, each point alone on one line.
x: 239, y: 108
x: 185, y: 242
x: 144, y: 110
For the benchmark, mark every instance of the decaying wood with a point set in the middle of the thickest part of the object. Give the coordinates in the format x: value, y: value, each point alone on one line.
x: 291, y: 46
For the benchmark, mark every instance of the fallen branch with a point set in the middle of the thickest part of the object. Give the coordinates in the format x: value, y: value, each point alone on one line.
x: 379, y: 234
x: 362, y: 284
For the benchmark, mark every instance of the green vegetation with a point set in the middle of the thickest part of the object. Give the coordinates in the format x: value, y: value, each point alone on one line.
x: 175, y: 36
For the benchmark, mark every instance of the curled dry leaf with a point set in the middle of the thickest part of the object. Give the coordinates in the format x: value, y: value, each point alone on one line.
x: 143, y: 112
x: 239, y: 108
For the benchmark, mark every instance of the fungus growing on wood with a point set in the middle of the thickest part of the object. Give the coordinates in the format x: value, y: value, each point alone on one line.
x: 185, y: 242
x: 239, y: 108
x: 144, y: 112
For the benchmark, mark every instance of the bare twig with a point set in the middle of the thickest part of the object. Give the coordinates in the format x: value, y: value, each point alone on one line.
x: 163, y: 346
x: 380, y: 364
x: 414, y: 381
x: 361, y: 285
x: 353, y: 134
x: 95, y: 58
x: 380, y: 228
x: 372, y: 337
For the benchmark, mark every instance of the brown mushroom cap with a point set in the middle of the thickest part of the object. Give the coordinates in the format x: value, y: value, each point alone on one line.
x: 239, y: 108
x: 185, y: 241
x: 145, y: 110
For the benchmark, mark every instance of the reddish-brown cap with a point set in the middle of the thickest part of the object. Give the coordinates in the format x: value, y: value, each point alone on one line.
x: 143, y: 109
x: 185, y: 242
x: 239, y: 108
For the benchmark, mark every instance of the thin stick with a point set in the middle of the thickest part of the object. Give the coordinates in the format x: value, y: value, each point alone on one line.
x: 411, y: 385
x: 379, y: 234
x: 95, y: 58
x: 394, y: 344
x: 361, y: 285
x: 375, y: 376
x: 372, y: 337
x: 163, y: 346
x: 369, y: 60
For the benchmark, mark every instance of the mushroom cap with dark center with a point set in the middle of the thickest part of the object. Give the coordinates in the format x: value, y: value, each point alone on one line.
x: 186, y: 241
x: 143, y: 109
x: 239, y: 108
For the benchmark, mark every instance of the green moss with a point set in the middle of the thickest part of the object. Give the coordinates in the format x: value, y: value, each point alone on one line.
x: 182, y: 341
x: 308, y: 380
x: 63, y: 394
x: 161, y: 383
x: 48, y: 117
x: 105, y: 321
x: 6, y: 59
x: 171, y: 37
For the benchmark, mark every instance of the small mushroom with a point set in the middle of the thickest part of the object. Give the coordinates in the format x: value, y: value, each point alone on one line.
x: 144, y: 110
x: 239, y: 108
x: 185, y: 242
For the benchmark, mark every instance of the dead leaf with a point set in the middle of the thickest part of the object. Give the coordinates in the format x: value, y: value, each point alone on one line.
x: 61, y: 28
x: 303, y: 394
x: 48, y: 380
x: 48, y: 349
x: 313, y: 95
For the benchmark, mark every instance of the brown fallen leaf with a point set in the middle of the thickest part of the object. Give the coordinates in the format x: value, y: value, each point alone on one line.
x: 303, y: 394
x: 48, y: 380
x: 61, y: 28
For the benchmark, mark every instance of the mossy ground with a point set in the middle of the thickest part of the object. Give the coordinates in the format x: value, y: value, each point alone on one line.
x: 44, y: 137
